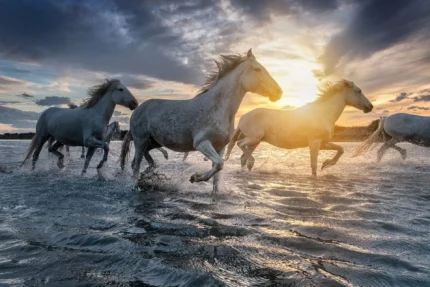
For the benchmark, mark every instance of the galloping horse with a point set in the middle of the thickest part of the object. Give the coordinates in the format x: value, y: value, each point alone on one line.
x: 311, y: 125
x: 83, y: 126
x: 395, y: 129
x: 205, y: 122
x: 111, y: 128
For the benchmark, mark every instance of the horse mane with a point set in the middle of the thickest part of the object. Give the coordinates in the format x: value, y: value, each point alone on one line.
x: 97, y: 92
x: 72, y: 106
x: 328, y: 89
x: 225, y: 64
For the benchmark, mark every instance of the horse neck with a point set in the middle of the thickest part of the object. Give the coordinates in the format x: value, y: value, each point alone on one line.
x: 227, y: 94
x: 105, y: 107
x: 332, y: 108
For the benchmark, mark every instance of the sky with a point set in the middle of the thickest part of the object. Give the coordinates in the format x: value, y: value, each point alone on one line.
x: 52, y: 51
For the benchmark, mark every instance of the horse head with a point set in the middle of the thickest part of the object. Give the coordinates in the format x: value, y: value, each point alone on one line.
x: 356, y: 98
x: 256, y: 79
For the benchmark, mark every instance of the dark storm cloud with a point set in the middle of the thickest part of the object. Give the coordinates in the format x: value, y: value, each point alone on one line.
x: 423, y: 98
x: 378, y: 25
x: 137, y: 83
x: 53, y: 101
x: 418, y: 108
x: 18, y: 118
x: 262, y: 10
x: 400, y: 97
x: 25, y: 96
x: 109, y: 36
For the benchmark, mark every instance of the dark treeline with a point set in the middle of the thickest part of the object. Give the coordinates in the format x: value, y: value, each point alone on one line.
x: 341, y: 134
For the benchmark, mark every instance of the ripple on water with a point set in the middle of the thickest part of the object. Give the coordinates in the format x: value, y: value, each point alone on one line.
x: 358, y: 224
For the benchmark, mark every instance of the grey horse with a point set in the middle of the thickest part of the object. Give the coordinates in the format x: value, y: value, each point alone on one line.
x: 83, y: 126
x: 395, y: 129
x: 111, y: 129
x: 204, y: 123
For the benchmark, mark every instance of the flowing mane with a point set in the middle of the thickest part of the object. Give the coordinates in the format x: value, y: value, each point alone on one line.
x: 225, y: 64
x: 329, y: 89
x: 97, y: 92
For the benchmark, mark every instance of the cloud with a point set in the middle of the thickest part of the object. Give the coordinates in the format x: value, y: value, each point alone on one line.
x: 53, y: 101
x: 9, y: 102
x: 418, y: 108
x: 137, y: 83
x: 400, y: 97
x: 110, y: 36
x: 424, y: 98
x: 263, y: 10
x: 289, y: 107
x: 25, y: 96
x: 376, y: 26
x: 18, y: 118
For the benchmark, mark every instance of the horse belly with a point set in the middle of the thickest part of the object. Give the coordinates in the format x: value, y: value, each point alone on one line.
x: 287, y: 142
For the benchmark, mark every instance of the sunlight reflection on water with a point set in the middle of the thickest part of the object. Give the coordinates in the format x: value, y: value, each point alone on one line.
x: 357, y: 224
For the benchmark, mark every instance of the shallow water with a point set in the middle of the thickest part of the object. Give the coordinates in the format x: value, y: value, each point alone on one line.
x: 358, y: 224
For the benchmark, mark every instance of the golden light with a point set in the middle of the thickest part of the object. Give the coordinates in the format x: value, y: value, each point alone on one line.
x: 298, y: 83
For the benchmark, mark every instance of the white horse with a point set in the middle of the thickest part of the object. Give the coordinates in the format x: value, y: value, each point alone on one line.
x: 395, y: 129
x: 205, y: 122
x: 83, y: 126
x: 111, y: 128
x: 311, y: 125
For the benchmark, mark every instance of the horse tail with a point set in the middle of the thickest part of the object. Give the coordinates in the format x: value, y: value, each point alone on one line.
x: 236, y: 135
x: 30, y: 149
x: 364, y: 147
x: 125, y: 148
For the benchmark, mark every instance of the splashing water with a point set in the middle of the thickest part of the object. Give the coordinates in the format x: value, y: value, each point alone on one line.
x: 357, y: 224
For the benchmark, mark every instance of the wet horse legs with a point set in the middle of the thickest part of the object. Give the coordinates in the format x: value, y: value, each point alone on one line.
x: 54, y: 149
x: 331, y: 146
x: 248, y: 145
x: 40, y: 143
x: 206, y: 148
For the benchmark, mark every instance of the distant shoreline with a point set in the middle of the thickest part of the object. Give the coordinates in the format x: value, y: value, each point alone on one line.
x: 341, y: 134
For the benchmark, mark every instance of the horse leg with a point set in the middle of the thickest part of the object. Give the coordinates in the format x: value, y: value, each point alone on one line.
x: 40, y: 142
x: 83, y: 152
x: 400, y: 150
x: 314, y: 147
x: 164, y: 152
x: 90, y: 153
x: 94, y: 143
x: 248, y: 145
x: 217, y: 175
x: 54, y: 149
x: 185, y: 156
x: 331, y: 146
x: 68, y: 150
x: 384, y: 148
x: 206, y: 148
x: 139, y: 146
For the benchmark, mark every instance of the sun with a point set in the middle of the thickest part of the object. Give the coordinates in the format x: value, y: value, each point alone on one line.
x: 298, y: 83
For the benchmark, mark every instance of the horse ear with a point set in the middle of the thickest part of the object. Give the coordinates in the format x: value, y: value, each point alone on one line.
x: 348, y: 84
x: 249, y: 54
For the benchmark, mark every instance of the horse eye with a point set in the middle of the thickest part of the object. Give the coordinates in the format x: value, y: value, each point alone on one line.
x: 121, y: 89
x: 257, y: 69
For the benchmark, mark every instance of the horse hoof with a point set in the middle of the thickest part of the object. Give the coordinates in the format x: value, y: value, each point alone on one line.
x: 326, y: 164
x: 195, y: 178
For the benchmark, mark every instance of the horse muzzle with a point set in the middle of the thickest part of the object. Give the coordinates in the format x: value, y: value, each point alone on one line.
x: 276, y: 95
x: 368, y: 109
x: 133, y: 105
